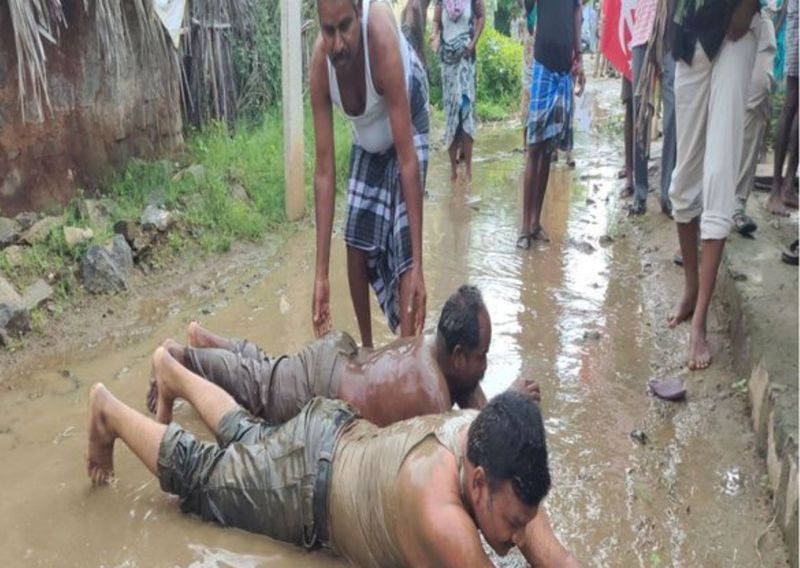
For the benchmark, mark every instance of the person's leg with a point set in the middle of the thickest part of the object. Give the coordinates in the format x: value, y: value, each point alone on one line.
x: 453, y: 153
x: 669, y: 147
x: 687, y: 238
x: 523, y: 241
x: 755, y: 125
x: 541, y: 176
x: 358, y: 277
x: 730, y: 80
x: 110, y: 419
x: 466, y: 144
x: 782, y: 135
x: 692, y: 85
x: 176, y: 381
x: 627, y: 191
x: 639, y: 138
x: 788, y: 194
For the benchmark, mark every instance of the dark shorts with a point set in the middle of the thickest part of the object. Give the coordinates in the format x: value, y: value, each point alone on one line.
x: 275, y: 388
x: 271, y: 480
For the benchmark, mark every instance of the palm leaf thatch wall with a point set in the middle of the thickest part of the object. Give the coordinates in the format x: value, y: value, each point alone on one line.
x: 37, y: 23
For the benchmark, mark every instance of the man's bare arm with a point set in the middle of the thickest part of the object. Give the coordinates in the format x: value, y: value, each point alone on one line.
x: 541, y: 546
x: 450, y: 539
x: 390, y: 80
x: 324, y: 186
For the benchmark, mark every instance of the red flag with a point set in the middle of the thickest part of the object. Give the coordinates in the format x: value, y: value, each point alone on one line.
x: 618, y: 19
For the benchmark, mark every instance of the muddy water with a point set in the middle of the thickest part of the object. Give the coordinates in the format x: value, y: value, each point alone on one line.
x: 582, y: 315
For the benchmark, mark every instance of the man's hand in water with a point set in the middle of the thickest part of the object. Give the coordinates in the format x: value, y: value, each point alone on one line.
x: 321, y: 308
x: 528, y: 387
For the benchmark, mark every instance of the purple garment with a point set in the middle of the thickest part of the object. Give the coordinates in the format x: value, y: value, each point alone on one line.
x: 455, y: 8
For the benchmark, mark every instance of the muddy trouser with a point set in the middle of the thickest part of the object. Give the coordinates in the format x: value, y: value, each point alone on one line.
x: 275, y: 388
x: 710, y: 99
x: 271, y: 480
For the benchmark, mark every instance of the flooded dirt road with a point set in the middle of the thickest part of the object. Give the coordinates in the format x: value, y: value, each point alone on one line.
x: 583, y: 315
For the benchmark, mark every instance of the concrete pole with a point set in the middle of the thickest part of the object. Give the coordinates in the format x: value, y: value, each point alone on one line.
x: 292, y: 82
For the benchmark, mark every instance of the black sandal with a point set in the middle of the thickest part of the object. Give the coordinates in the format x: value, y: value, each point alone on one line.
x: 524, y: 242
x: 790, y: 256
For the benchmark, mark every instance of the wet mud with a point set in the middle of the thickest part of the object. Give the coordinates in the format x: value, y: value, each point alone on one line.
x: 636, y: 481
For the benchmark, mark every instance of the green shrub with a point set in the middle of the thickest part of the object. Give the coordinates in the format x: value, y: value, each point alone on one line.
x: 499, y: 71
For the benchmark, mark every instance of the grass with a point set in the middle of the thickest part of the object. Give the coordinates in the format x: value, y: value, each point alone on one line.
x: 196, y: 187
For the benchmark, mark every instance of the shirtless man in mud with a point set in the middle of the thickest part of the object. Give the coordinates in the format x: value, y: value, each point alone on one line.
x: 417, y: 493
x: 409, y: 377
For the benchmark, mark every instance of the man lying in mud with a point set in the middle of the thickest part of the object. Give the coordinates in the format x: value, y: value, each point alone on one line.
x: 416, y: 493
x: 410, y: 377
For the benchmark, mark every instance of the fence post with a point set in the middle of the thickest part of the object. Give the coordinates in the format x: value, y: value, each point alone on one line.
x: 292, y: 83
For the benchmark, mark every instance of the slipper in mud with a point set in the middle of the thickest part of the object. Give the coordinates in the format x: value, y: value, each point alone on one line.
x: 745, y: 226
x: 672, y: 389
x: 678, y: 259
x: 789, y: 256
x: 524, y: 242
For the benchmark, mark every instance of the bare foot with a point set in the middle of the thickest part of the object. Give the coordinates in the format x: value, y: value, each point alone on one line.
x: 699, y: 354
x: 202, y: 338
x: 166, y: 398
x: 539, y: 234
x: 683, y: 311
x: 788, y: 196
x: 775, y: 205
x: 100, y: 457
x: 175, y: 349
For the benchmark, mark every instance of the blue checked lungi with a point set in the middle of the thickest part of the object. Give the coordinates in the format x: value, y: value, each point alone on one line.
x: 550, y: 111
x: 377, y: 221
x: 458, y: 89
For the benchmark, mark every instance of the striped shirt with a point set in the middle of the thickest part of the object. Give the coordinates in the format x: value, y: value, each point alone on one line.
x: 645, y: 18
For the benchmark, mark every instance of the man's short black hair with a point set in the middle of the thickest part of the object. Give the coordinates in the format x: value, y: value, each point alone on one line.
x: 507, y: 439
x: 459, y: 322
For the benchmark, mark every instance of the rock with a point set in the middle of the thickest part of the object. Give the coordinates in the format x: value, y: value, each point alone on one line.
x: 75, y: 236
x: 14, y: 318
x: 97, y: 212
x: 9, y: 231
x: 127, y: 229
x: 592, y: 335
x: 738, y: 276
x: 606, y: 240
x: 14, y: 255
x: 26, y: 219
x: 36, y: 294
x: 40, y: 230
x: 156, y: 218
x: 639, y: 436
x: 584, y: 247
x: 5, y: 340
x: 590, y: 201
x: 239, y: 192
x: 107, y: 269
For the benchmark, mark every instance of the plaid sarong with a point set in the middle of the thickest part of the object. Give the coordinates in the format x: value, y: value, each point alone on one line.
x: 550, y: 114
x: 458, y: 89
x: 377, y: 221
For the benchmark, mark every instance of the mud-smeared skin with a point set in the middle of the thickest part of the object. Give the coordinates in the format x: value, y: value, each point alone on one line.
x: 692, y: 496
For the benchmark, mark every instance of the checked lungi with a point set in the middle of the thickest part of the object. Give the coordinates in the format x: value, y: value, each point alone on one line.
x: 550, y: 113
x: 377, y: 221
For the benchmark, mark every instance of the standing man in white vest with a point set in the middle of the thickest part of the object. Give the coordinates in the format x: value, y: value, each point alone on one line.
x: 363, y: 64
